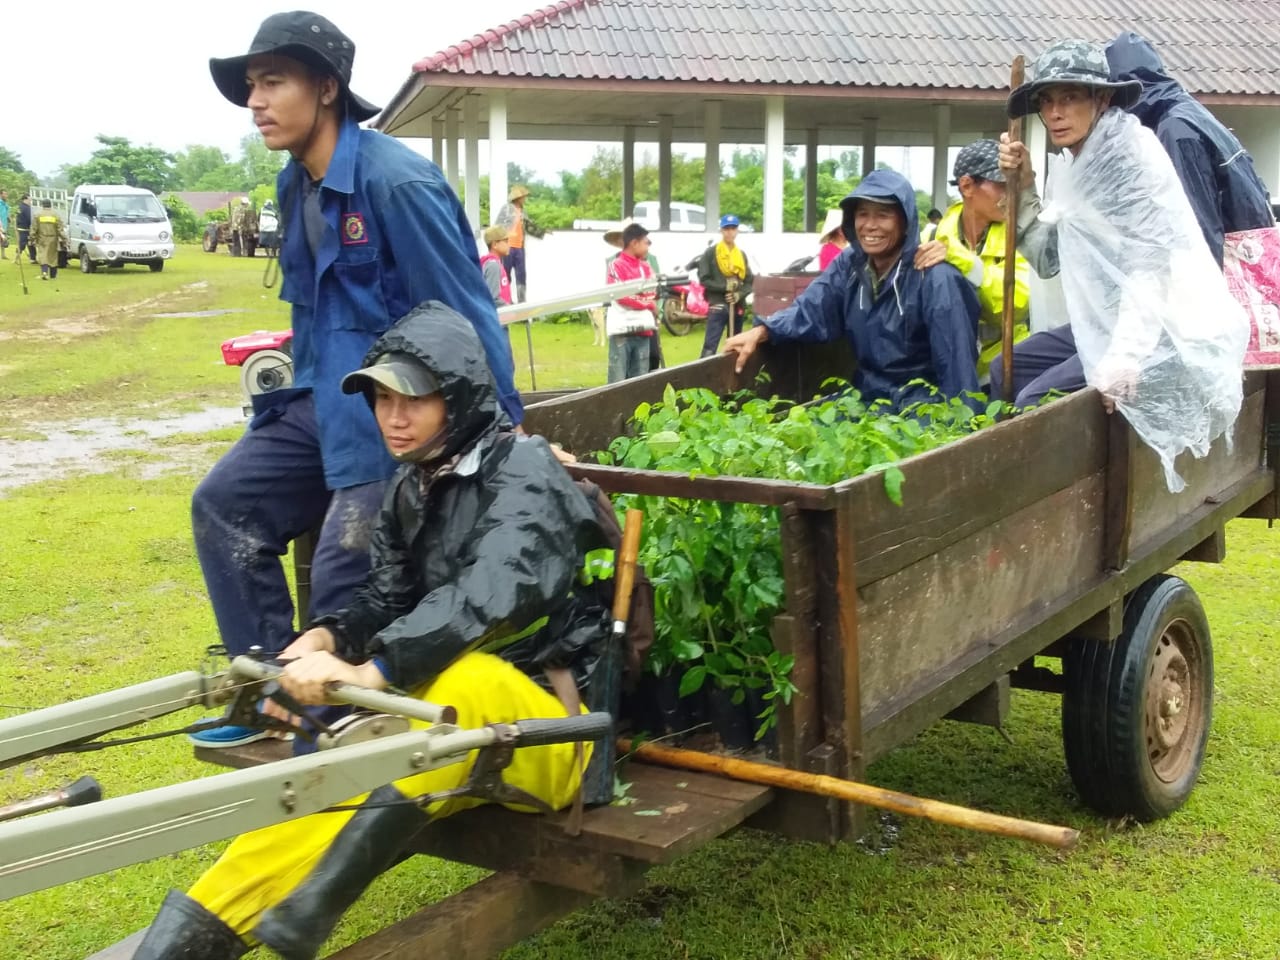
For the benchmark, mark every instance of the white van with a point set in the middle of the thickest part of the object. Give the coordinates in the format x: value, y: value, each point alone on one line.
x: 684, y: 216
x: 115, y: 225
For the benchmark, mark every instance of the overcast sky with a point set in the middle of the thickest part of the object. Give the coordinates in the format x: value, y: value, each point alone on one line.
x: 140, y: 69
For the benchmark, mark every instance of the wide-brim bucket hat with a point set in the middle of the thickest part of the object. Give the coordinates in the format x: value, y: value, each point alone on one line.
x: 1071, y: 61
x: 834, y: 221
x: 613, y: 237
x: 306, y: 37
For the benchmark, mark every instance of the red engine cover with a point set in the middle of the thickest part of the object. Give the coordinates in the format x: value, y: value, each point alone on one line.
x: 238, y: 349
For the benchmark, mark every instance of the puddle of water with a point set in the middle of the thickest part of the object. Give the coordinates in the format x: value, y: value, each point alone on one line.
x: 196, y: 313
x: 78, y: 447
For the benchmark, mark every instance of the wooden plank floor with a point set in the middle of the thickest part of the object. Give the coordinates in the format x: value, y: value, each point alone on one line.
x: 668, y: 813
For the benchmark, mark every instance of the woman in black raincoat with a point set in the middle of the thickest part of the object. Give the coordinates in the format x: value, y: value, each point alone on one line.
x: 474, y: 596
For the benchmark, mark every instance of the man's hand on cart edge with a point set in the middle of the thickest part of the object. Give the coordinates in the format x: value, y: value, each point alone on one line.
x: 744, y: 344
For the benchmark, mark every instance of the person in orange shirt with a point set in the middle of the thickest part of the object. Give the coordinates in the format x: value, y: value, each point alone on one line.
x: 517, y: 223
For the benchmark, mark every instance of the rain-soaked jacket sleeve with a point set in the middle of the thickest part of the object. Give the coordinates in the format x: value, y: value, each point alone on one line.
x: 520, y: 562
x: 1037, y: 239
x: 951, y: 317
x: 1194, y: 166
x: 817, y: 315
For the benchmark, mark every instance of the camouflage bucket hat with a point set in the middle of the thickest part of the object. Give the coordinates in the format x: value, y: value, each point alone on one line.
x: 1071, y: 61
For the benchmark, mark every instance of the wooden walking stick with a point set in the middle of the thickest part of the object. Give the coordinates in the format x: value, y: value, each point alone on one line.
x: 1011, y: 191
x: 824, y: 786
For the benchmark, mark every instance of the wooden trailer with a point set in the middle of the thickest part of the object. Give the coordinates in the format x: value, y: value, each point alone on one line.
x: 1046, y: 535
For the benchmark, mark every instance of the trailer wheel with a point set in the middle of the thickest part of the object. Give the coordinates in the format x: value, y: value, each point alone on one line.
x: 86, y: 262
x: 1136, y: 712
x: 676, y: 320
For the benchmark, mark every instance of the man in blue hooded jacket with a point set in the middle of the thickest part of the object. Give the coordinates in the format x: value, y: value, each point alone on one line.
x: 1216, y: 171
x: 369, y: 230
x: 904, y: 324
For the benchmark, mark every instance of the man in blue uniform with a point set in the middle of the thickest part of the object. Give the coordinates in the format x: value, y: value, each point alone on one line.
x: 904, y: 324
x: 370, y: 230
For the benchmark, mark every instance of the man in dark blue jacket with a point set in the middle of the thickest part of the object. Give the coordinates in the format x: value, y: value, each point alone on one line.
x: 904, y: 324
x: 1216, y: 171
x: 370, y: 229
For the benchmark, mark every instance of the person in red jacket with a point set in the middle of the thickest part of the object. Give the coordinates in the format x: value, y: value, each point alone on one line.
x: 495, y: 274
x: 631, y: 321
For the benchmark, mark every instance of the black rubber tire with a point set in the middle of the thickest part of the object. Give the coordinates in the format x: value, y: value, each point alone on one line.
x: 677, y: 321
x: 1125, y: 754
x: 156, y: 265
x: 86, y: 262
x: 209, y: 242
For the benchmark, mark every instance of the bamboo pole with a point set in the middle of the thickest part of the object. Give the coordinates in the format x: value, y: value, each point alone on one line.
x: 1064, y: 838
x: 1012, y: 190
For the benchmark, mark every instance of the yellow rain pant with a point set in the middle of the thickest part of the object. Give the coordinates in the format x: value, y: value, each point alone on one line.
x: 261, y: 868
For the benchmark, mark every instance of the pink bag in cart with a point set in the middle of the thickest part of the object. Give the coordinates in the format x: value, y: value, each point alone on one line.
x: 1251, y: 264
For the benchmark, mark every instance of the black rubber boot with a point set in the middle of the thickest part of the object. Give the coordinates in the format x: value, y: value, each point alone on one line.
x: 371, y: 842
x: 184, y: 930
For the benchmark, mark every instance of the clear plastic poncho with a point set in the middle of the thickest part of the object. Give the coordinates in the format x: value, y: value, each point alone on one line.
x: 1154, y: 323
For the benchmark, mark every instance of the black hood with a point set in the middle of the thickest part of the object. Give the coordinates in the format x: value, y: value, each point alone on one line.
x: 1131, y: 57
x: 447, y: 343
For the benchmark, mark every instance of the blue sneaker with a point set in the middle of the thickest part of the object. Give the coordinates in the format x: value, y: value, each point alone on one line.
x: 217, y: 738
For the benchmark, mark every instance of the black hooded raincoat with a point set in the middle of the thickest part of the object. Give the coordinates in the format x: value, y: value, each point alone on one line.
x: 1215, y: 169
x: 481, y: 548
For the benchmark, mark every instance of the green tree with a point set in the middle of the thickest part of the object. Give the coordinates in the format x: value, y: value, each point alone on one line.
x: 10, y: 162
x: 259, y: 164
x: 15, y: 178
x: 193, y: 163
x: 119, y: 161
x: 186, y: 225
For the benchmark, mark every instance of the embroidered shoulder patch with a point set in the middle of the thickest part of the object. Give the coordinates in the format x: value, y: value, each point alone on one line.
x: 353, y: 229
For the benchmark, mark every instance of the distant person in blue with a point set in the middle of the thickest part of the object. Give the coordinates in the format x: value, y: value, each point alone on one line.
x: 1215, y: 169
x: 904, y: 324
x: 369, y: 230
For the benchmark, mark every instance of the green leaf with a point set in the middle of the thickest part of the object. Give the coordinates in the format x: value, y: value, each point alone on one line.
x: 893, y: 484
x: 692, y: 680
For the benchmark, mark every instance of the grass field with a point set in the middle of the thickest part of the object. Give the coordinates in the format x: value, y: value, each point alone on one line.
x: 99, y: 587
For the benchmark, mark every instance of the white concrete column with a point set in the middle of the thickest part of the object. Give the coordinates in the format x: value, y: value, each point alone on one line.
x: 664, y: 171
x: 811, y: 180
x: 711, y: 161
x: 451, y: 148
x: 437, y: 141
x: 471, y: 160
x: 941, y: 143
x: 628, y: 170
x: 774, y: 143
x: 497, y: 151
x: 870, y: 126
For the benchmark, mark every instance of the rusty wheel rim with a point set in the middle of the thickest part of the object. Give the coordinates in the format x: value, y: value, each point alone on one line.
x: 1174, y: 702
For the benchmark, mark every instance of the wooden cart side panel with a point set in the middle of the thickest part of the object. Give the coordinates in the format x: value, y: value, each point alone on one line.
x: 589, y: 420
x: 1038, y: 626
x: 956, y: 490
x: 1155, y: 508
x: 1268, y: 380
x: 916, y: 622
